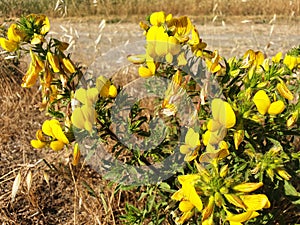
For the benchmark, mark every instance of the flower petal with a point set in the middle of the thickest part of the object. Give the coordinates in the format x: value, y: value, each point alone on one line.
x: 77, y: 118
x: 46, y: 128
x: 185, y: 206
x: 242, y: 217
x: 57, y: 145
x: 37, y: 144
x: 276, y: 107
x: 255, y: 202
x: 262, y: 101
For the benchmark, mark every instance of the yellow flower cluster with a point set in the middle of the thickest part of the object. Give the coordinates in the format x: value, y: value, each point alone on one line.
x: 165, y: 36
x: 223, y: 119
x: 220, y: 192
x: 52, y: 135
x: 264, y: 105
x: 17, y: 34
x: 85, y: 116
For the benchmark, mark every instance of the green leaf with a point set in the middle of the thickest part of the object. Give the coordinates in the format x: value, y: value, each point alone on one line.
x: 297, y: 202
x: 290, y: 190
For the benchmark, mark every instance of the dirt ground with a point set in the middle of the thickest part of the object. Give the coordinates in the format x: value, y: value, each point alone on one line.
x: 62, y: 195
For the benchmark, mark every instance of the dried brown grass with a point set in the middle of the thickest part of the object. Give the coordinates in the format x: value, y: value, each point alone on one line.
x: 65, y: 197
x: 116, y: 10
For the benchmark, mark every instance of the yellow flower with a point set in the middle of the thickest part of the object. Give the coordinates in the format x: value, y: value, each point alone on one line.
x: 262, y: 101
x: 223, y: 113
x: 276, y: 107
x: 52, y: 129
x: 185, y: 206
x: 277, y: 57
x: 145, y: 72
x: 188, y: 192
x: 157, y: 42
x: 264, y: 105
x: 68, y: 65
x: 38, y: 144
x: 157, y: 18
x: 53, y: 61
x: 238, y: 137
x: 213, y: 64
x: 213, y: 155
x: 255, y: 202
x: 84, y: 117
x: 208, y: 210
x: 235, y: 200
x: 35, y: 67
x: 292, y: 119
x: 87, y: 96
x: 285, y: 175
x: 57, y: 145
x: 236, y: 219
x: 197, y: 45
x: 191, y: 146
x: 41, y: 22
x: 213, y: 138
x: 291, y: 61
x: 284, y: 91
x: 183, y: 27
x: 252, y: 60
x: 247, y: 187
x: 15, y: 36
x: 105, y: 88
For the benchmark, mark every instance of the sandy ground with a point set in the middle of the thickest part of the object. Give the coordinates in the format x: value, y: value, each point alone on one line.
x: 229, y: 38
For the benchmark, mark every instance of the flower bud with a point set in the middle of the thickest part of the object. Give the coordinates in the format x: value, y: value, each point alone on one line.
x: 68, y: 65
x: 235, y: 200
x: 284, y: 91
x: 238, y: 137
x: 207, y: 211
x: 53, y: 61
x: 285, y: 175
x: 76, y: 155
x: 224, y: 171
x: 247, y: 187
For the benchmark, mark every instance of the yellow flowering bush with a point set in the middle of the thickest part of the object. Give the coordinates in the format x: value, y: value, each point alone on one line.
x: 239, y: 144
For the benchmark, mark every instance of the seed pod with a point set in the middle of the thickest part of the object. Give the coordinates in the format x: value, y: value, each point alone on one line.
x: 284, y: 91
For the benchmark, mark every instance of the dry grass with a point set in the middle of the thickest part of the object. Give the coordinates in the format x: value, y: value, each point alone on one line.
x: 132, y: 9
x: 64, y: 195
